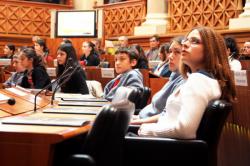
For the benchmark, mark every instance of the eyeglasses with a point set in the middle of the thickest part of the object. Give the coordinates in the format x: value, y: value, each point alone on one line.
x: 192, y: 40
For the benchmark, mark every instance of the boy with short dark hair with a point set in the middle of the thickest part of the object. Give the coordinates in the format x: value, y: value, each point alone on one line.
x: 125, y: 62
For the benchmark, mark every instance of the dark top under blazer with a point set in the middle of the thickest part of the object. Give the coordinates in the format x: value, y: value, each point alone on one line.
x: 40, y: 78
x: 76, y: 84
x: 91, y: 60
x: 165, y: 71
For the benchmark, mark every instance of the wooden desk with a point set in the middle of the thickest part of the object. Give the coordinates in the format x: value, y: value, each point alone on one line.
x: 23, y: 103
x: 33, y: 145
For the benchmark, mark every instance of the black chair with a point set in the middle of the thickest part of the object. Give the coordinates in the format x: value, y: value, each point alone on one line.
x: 142, y: 100
x: 103, y: 144
x: 130, y: 93
x: 165, y: 151
x: 145, y: 94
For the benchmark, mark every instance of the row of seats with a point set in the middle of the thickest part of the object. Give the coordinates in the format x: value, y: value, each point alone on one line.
x: 107, y: 144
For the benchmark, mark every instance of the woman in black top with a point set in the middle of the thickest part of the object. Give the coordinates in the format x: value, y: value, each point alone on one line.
x: 142, y: 62
x: 9, y: 51
x: 76, y: 78
x: 89, y: 57
x: 35, y: 75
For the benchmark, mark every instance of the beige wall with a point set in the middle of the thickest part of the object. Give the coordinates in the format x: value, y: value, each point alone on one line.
x: 88, y: 5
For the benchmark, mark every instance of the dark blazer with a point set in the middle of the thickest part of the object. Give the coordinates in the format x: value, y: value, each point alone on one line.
x: 91, y: 60
x: 165, y: 71
x: 40, y: 78
x: 76, y: 84
x: 142, y: 63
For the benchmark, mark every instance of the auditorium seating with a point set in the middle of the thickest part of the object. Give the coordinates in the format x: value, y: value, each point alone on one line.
x: 103, y: 144
x: 166, y: 151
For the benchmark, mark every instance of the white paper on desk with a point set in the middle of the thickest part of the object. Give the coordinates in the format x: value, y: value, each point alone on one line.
x: 240, y: 78
x: 74, y: 95
x: 108, y: 72
x: 16, y: 91
x: 3, y: 98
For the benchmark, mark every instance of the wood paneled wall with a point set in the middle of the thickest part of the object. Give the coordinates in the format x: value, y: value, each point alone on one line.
x: 184, y: 15
x: 20, y: 20
x: 121, y: 18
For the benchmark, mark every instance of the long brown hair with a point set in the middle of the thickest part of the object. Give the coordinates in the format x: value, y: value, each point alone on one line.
x: 215, y: 61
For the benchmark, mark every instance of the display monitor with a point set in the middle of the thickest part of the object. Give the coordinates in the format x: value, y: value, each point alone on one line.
x: 76, y: 23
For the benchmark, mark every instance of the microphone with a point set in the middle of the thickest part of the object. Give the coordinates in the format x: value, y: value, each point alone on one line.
x: 58, y: 78
x: 6, y: 99
x: 11, y: 101
x: 63, y: 82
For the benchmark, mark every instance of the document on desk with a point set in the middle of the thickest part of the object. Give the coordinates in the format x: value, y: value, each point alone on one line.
x: 3, y: 98
x: 76, y: 103
x: 73, y: 95
x: 79, y: 110
x: 47, y: 121
x: 16, y: 91
x: 85, y: 99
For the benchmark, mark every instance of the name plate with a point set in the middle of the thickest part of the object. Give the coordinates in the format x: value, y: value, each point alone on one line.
x: 5, y: 62
x: 108, y: 72
x: 240, y: 78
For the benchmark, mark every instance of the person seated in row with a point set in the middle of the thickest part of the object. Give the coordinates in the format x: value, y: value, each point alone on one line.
x: 142, y: 62
x: 123, y: 41
x: 125, y: 64
x: 89, y: 57
x: 162, y: 69
x: 245, y: 51
x: 233, y: 53
x: 152, y: 53
x: 35, y: 75
x: 175, y: 80
x: 75, y: 82
x: 43, y: 51
x: 17, y: 76
x: 9, y: 51
x: 98, y: 49
x: 205, y: 67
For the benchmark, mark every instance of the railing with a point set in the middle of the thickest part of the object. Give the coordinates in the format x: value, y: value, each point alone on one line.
x: 121, y: 18
x: 184, y: 15
x: 20, y: 20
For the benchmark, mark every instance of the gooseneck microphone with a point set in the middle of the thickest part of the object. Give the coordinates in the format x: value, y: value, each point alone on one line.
x: 5, y: 99
x: 11, y: 101
x: 50, y: 85
x: 67, y: 76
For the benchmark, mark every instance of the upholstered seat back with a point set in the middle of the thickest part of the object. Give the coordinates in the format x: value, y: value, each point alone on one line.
x: 144, y: 96
x: 212, y: 124
x: 130, y: 93
x: 167, y: 151
x: 213, y: 120
x: 104, y: 140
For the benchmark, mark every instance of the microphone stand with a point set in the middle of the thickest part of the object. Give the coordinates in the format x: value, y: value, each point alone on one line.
x: 46, y: 87
x: 64, y: 81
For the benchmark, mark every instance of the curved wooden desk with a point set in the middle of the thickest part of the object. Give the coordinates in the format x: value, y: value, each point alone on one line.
x: 33, y: 145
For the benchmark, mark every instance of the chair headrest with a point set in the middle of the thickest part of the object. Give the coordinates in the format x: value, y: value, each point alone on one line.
x: 129, y: 93
x: 108, y: 130
x: 213, y: 121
